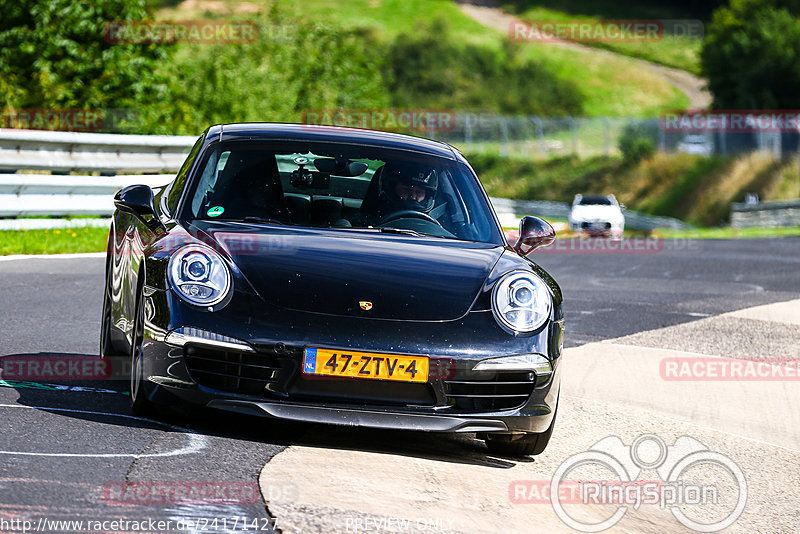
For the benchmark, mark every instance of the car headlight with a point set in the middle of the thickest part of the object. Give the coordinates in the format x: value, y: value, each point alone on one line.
x: 199, y: 275
x: 521, y: 302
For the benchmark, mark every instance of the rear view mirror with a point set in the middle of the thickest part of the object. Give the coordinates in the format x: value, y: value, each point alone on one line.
x: 534, y: 233
x: 341, y: 167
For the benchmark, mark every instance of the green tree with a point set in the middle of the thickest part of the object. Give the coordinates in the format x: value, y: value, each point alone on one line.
x: 53, y: 54
x: 751, y: 55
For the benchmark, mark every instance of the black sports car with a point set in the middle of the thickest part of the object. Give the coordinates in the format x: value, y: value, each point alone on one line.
x: 334, y: 275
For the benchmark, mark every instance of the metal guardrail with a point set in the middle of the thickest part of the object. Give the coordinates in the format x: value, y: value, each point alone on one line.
x: 29, y: 195
x: 640, y: 221
x: 541, y: 208
x: 508, y: 210
x: 26, y: 195
x: 91, y: 152
x: 770, y: 214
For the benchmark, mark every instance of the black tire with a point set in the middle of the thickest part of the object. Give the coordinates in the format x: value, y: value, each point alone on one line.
x: 106, y: 347
x: 528, y: 445
x: 137, y: 387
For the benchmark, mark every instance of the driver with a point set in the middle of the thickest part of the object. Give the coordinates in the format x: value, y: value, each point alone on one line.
x: 407, y: 187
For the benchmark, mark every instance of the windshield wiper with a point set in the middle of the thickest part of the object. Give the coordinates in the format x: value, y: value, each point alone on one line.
x: 253, y: 219
x: 262, y: 220
x: 405, y: 231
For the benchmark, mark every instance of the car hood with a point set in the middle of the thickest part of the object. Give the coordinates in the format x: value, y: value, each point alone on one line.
x: 591, y: 212
x: 355, y: 273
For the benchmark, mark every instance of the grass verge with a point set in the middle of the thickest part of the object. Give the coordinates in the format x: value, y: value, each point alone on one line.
x: 729, y: 233
x: 56, y: 241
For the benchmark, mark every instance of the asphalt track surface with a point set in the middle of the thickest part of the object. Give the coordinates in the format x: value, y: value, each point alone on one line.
x: 63, y: 445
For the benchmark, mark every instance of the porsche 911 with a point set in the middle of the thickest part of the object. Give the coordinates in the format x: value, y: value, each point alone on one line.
x: 334, y: 275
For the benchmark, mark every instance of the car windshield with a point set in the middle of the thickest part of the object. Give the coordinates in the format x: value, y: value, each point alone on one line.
x: 595, y: 201
x: 328, y: 185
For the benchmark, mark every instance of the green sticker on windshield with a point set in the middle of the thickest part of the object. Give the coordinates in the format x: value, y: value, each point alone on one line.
x: 216, y: 211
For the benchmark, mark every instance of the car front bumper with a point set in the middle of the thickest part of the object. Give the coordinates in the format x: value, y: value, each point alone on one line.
x: 455, y: 399
x: 597, y: 227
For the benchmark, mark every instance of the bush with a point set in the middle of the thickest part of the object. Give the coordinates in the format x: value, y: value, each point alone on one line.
x: 638, y: 149
x: 638, y: 141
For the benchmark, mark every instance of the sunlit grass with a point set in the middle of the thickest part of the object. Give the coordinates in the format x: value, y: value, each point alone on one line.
x: 689, y: 233
x: 729, y: 233
x: 53, y: 241
x: 612, y: 86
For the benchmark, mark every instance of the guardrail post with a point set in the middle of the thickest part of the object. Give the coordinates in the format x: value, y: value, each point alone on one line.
x: 574, y: 128
x: 504, y: 134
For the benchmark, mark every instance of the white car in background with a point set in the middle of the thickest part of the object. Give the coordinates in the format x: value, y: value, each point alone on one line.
x: 597, y: 216
x: 696, y: 144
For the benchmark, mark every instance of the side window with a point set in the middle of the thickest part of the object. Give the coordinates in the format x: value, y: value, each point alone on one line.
x: 208, y: 180
x: 176, y: 187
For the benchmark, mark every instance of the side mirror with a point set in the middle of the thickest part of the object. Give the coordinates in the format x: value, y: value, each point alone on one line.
x: 534, y: 233
x: 138, y: 201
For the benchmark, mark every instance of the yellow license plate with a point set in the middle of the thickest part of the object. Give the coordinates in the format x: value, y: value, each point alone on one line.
x: 369, y: 365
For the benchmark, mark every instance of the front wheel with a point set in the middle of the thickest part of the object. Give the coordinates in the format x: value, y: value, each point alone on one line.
x: 140, y: 405
x: 106, y: 345
x: 527, y: 445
